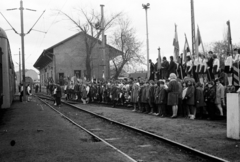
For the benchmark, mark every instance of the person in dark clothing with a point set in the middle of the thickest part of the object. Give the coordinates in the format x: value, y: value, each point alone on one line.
x: 58, y: 95
x: 172, y: 66
x: 164, y: 68
x: 152, y: 70
x: 210, y: 65
x: 209, y: 97
x: 157, y: 71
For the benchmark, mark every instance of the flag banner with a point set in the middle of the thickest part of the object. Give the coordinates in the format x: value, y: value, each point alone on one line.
x: 186, y: 50
x: 229, y: 37
x: 236, y: 76
x: 159, y: 59
x: 199, y: 38
x: 229, y: 33
x: 176, y: 45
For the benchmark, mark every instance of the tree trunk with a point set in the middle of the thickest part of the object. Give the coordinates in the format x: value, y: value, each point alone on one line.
x: 119, y: 70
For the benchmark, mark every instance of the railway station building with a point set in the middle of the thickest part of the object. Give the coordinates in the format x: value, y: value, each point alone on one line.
x: 68, y: 58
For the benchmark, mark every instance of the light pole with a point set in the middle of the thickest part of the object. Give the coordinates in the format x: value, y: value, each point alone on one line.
x: 146, y: 7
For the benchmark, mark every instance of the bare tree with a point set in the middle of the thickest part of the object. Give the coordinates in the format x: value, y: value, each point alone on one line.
x: 92, y: 29
x: 124, y: 39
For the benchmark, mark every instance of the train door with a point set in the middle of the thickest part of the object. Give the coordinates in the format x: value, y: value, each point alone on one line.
x: 1, y: 79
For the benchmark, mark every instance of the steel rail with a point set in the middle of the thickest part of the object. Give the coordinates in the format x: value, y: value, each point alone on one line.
x: 89, y: 132
x: 158, y: 137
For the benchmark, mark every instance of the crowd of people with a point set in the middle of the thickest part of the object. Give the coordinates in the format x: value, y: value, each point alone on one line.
x: 194, y: 89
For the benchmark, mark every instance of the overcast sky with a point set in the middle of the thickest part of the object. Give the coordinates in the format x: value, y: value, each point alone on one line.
x: 210, y: 15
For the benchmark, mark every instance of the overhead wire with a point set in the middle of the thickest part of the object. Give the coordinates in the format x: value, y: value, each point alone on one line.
x: 48, y: 28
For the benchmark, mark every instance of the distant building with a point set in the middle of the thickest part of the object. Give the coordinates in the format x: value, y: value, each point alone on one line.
x: 28, y: 73
x: 141, y: 74
x: 68, y: 58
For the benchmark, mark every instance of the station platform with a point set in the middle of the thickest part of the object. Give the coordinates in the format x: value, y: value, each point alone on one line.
x: 31, y: 131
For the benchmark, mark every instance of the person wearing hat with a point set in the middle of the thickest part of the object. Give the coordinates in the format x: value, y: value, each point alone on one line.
x: 173, y: 92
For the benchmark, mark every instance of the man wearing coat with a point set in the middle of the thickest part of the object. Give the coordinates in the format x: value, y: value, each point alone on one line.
x: 161, y: 99
x: 172, y: 66
x: 152, y: 70
x: 164, y: 68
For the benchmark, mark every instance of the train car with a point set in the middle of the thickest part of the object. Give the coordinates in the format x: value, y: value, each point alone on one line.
x: 7, y: 73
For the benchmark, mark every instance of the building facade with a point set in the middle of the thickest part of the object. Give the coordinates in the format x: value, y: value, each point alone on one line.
x: 68, y: 58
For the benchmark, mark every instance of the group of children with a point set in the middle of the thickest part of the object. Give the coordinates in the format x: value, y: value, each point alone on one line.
x: 172, y: 97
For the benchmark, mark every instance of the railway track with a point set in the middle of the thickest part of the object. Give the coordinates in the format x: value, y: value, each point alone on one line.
x: 146, y: 146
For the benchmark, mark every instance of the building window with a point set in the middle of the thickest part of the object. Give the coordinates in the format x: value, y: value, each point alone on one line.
x: 77, y: 73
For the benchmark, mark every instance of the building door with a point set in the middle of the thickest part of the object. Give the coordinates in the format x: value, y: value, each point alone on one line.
x: 77, y: 73
x: 61, y: 78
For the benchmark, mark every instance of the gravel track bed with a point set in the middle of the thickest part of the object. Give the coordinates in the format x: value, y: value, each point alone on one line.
x: 134, y: 144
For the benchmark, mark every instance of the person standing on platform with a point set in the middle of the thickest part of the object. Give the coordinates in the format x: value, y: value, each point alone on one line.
x: 29, y: 93
x: 189, y: 66
x: 157, y: 71
x: 21, y: 91
x: 210, y: 65
x: 219, y: 96
x: 164, y: 68
x: 203, y: 70
x: 152, y: 70
x: 173, y: 92
x: 58, y: 95
x: 216, y: 66
x: 228, y: 68
x: 172, y: 66
x: 161, y: 99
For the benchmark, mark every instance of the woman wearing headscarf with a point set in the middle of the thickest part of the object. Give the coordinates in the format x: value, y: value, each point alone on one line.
x: 173, y: 92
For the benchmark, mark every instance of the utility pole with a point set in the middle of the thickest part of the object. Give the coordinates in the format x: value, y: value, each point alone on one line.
x: 103, y: 44
x: 193, y: 29
x: 22, y: 34
x: 146, y: 7
x: 23, y: 52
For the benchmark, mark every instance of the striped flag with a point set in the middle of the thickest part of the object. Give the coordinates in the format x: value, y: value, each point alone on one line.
x: 176, y: 45
x: 236, y: 79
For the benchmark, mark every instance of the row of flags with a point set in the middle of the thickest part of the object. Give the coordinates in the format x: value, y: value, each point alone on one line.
x: 186, y: 49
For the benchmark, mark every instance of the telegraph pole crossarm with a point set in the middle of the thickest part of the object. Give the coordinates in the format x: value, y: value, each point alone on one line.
x: 22, y: 34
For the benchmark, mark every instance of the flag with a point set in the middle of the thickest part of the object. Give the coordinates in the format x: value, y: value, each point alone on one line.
x: 159, y: 59
x: 229, y: 37
x: 199, y: 38
x: 176, y: 45
x: 186, y: 50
